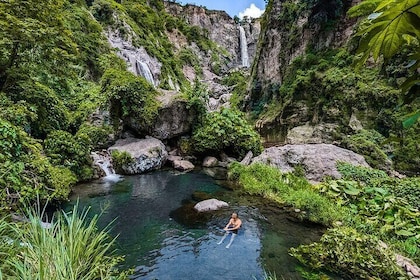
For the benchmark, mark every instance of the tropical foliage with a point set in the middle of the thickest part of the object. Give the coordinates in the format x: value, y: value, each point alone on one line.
x: 346, y: 252
x: 392, y: 26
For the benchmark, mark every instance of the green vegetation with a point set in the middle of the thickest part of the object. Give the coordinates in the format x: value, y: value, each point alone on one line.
x: 226, y: 131
x: 129, y: 97
x: 286, y: 188
x: 370, y: 206
x: 237, y: 80
x: 347, y: 252
x: 120, y: 159
x: 72, y: 248
x: 390, y: 27
x: 370, y: 144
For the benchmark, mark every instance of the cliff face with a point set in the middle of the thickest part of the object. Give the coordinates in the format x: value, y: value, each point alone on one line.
x: 221, y: 28
x: 289, y: 29
x: 295, y: 29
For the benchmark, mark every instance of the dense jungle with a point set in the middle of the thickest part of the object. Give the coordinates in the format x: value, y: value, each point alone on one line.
x: 312, y: 108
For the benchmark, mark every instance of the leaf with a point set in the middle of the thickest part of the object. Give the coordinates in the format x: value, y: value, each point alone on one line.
x: 410, y: 121
x: 404, y: 232
x: 350, y: 190
x: 383, y: 4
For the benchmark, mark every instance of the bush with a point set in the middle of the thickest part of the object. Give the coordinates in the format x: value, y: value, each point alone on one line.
x: 69, y: 151
x: 226, y: 131
x: 129, y: 96
x: 351, y: 254
x: 368, y: 143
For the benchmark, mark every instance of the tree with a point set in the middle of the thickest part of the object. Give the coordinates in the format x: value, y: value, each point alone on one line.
x: 32, y: 31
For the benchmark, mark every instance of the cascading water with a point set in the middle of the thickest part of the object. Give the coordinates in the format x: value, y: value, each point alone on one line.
x: 143, y: 70
x: 244, y: 47
x: 103, y: 160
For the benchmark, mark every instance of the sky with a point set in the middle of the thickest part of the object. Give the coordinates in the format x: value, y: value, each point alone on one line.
x: 240, y: 8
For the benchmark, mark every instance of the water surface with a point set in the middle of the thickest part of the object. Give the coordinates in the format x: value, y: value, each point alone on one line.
x: 162, y: 238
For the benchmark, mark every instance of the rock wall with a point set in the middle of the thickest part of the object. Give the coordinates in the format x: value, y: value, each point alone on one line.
x: 221, y: 27
x: 289, y: 28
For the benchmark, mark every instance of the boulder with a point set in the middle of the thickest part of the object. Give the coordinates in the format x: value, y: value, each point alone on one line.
x: 183, y: 165
x: 312, y: 134
x: 148, y: 154
x: 247, y: 159
x: 210, y: 162
x: 210, y: 205
x: 318, y: 160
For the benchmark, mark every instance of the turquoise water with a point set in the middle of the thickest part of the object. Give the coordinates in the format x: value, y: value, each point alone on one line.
x: 163, y: 238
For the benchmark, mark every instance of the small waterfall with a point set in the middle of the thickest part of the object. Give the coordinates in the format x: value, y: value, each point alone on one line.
x: 143, y: 70
x: 103, y: 160
x: 244, y: 47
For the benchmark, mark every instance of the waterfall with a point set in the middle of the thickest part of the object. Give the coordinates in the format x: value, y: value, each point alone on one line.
x: 244, y: 47
x: 143, y: 70
x: 103, y: 160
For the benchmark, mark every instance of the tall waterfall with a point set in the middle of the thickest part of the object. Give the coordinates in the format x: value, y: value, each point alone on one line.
x: 143, y: 70
x: 244, y: 47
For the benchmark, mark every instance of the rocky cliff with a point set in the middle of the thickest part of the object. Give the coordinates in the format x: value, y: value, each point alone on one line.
x: 289, y: 29
x: 222, y: 29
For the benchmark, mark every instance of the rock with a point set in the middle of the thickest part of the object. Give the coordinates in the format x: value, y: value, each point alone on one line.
x: 183, y: 165
x: 247, y: 159
x: 148, y: 154
x: 354, y: 123
x: 174, y: 118
x: 210, y: 205
x: 171, y: 159
x: 210, y: 162
x: 311, y: 134
x: 408, y: 265
x: 318, y: 160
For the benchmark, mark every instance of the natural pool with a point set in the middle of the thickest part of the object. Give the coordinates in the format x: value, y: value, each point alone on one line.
x: 163, y: 239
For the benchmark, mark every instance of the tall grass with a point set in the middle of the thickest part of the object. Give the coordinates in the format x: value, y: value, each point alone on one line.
x: 286, y: 188
x: 8, y: 247
x: 72, y: 249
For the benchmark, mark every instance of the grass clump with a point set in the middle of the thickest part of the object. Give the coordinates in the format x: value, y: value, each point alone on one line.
x: 286, y: 188
x: 71, y: 248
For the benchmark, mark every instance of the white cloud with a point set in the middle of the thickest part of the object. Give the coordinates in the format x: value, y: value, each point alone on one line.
x: 251, y: 12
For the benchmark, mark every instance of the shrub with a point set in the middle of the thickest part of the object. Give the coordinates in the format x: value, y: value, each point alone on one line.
x: 226, y: 131
x: 368, y: 143
x: 69, y: 151
x: 349, y: 253
x: 129, y: 96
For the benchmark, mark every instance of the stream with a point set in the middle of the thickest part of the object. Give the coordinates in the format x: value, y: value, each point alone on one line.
x: 162, y: 237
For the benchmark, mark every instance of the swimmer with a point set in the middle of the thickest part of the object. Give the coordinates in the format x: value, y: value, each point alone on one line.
x: 231, y: 227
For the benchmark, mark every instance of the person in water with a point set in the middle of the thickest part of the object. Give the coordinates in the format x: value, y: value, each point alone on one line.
x: 231, y: 227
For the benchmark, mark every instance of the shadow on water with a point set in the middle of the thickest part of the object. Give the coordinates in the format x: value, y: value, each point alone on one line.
x: 163, y: 238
